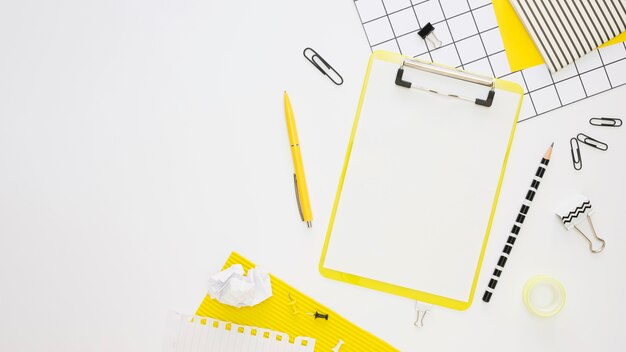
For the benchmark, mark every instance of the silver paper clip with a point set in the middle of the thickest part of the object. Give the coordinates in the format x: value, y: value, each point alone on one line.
x: 577, y: 161
x: 605, y: 121
x: 329, y: 71
x: 592, y: 142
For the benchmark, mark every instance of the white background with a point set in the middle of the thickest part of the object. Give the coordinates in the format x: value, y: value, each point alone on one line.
x: 142, y: 141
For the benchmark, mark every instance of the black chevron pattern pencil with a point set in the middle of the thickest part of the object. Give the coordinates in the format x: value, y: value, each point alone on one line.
x: 517, y: 226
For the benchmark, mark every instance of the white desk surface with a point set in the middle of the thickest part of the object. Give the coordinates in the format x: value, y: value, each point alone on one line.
x: 141, y: 142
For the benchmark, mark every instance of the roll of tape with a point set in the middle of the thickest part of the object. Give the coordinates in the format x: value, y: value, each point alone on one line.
x: 544, y: 296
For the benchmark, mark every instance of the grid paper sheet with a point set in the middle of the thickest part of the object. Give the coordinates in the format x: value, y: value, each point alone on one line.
x: 471, y: 41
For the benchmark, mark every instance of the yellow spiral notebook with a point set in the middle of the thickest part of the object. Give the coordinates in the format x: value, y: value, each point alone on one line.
x: 420, y: 181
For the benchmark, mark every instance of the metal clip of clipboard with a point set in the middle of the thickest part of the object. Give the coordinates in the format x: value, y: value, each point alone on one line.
x: 448, y: 72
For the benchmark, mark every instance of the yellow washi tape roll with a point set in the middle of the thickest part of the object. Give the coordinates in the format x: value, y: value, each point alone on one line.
x: 544, y: 296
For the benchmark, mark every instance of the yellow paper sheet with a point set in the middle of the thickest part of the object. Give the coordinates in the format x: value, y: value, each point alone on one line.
x: 520, y: 48
x: 288, y: 310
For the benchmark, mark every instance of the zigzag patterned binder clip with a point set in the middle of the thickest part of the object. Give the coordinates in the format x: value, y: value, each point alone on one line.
x: 573, y: 211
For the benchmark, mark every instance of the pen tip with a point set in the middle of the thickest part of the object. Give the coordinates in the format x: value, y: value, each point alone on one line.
x: 309, y: 224
x: 552, y: 145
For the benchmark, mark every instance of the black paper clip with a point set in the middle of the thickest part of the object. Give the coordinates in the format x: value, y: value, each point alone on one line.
x: 577, y: 161
x: 592, y: 142
x: 605, y: 121
x: 330, y: 72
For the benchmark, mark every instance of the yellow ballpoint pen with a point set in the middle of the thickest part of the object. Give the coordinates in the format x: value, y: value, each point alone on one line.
x: 302, y: 193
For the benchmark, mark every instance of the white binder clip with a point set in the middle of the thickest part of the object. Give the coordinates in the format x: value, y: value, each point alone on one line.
x: 573, y: 211
x: 421, y: 310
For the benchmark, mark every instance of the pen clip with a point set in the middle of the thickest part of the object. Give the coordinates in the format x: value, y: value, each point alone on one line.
x: 592, y: 142
x: 330, y: 72
x: 295, y: 185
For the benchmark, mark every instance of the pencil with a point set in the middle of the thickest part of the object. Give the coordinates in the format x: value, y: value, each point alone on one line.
x: 517, y: 226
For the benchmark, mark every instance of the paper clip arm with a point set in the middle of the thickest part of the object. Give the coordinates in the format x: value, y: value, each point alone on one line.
x: 603, y: 242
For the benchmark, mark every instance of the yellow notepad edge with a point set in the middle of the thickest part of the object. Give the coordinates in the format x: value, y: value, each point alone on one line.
x: 390, y: 288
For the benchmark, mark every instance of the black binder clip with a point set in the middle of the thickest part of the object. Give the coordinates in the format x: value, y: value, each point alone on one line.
x: 577, y: 161
x: 606, y: 121
x: 592, y: 142
x: 428, y: 33
x: 329, y: 71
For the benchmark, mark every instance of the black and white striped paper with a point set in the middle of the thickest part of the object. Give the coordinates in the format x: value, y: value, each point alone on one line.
x: 565, y: 30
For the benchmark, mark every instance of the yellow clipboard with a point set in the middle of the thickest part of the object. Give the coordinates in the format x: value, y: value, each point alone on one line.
x: 420, y: 181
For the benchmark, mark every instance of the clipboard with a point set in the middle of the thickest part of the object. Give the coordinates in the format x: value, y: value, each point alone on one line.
x: 420, y: 181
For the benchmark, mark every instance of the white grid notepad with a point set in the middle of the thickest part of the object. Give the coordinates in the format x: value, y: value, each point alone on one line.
x: 471, y: 41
